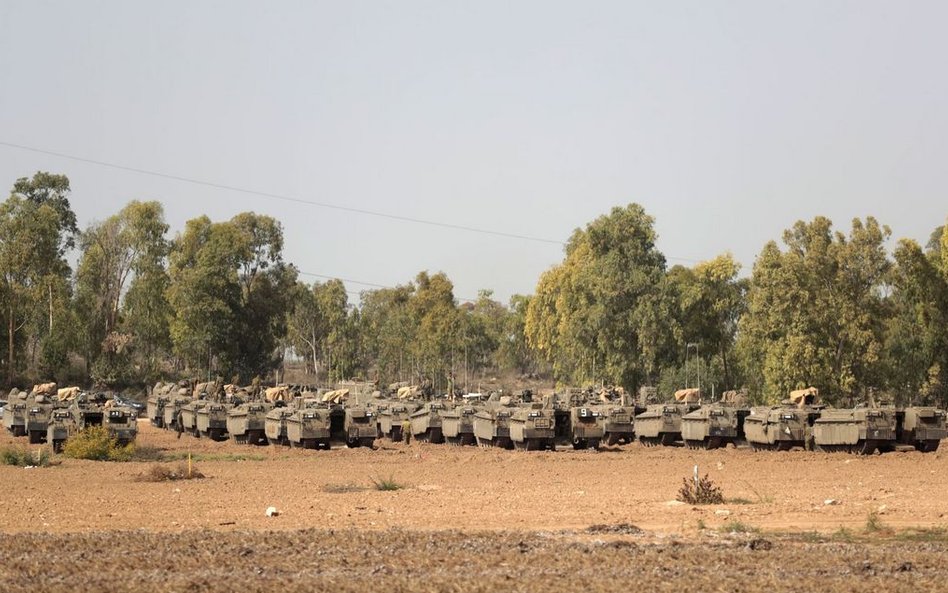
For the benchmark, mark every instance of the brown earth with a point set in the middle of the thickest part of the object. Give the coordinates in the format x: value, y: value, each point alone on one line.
x: 96, y: 517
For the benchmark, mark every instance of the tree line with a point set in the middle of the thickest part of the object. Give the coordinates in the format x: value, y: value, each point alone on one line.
x: 827, y: 308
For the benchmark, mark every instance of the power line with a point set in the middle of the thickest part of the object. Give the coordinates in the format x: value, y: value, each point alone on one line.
x: 285, y: 198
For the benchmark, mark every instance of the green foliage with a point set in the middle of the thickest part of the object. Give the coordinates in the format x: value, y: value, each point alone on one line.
x: 386, y: 484
x: 24, y: 457
x: 95, y: 443
x: 705, y: 491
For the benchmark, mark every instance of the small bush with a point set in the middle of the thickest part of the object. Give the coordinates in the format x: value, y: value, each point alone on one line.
x: 94, y: 443
x: 738, y: 527
x: 164, y: 473
x: 874, y: 524
x: 386, y: 484
x: 24, y: 457
x: 703, y: 492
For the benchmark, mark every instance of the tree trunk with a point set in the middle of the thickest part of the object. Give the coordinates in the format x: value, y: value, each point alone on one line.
x: 10, y: 344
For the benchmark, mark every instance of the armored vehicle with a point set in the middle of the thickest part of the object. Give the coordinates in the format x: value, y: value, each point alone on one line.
x: 246, y: 422
x: 713, y: 426
x: 426, y: 422
x: 618, y: 427
x: 533, y: 428
x: 360, y: 427
x: 587, y: 427
x: 785, y: 426
x: 857, y: 430
x: 660, y: 424
x: 37, y: 418
x: 923, y: 427
x: 121, y: 422
x: 391, y: 416
x: 171, y: 414
x: 457, y: 425
x: 275, y: 425
x: 492, y: 423
x: 211, y: 421
x: 88, y: 409
x: 161, y: 394
x: 309, y: 426
x: 61, y: 426
x: 187, y: 416
x: 14, y: 415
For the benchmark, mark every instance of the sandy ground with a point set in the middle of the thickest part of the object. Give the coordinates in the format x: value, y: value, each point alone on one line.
x: 471, y: 489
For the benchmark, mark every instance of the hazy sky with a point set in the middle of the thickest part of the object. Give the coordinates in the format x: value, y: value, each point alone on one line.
x: 727, y: 121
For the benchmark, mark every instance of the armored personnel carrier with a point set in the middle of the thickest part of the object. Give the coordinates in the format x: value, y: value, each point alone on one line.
x: 171, y: 414
x: 360, y: 427
x: 121, y: 423
x: 922, y: 427
x: 246, y: 423
x: 533, y: 428
x: 857, y: 430
x: 38, y: 414
x: 618, y: 425
x: 187, y: 416
x: 61, y: 426
x: 492, y: 422
x: 660, y: 424
x: 88, y: 409
x: 426, y: 422
x: 275, y: 425
x: 211, y: 421
x: 391, y: 416
x: 587, y: 427
x: 309, y: 426
x: 14, y: 414
x: 457, y: 425
x: 161, y: 394
x: 713, y: 426
x: 783, y: 427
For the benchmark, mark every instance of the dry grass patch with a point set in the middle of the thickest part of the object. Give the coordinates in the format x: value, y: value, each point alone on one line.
x: 165, y: 473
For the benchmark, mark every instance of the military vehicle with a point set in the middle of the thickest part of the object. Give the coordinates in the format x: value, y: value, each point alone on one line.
x: 171, y: 414
x: 62, y: 425
x: 587, y: 427
x: 858, y: 430
x: 14, y: 415
x: 88, y: 409
x: 187, y: 416
x: 660, y: 424
x: 37, y: 418
x: 310, y: 424
x: 785, y: 426
x: 390, y: 417
x: 618, y: 427
x: 457, y: 425
x: 211, y: 421
x: 246, y: 423
x: 360, y: 427
x: 533, y: 428
x: 922, y: 427
x: 121, y: 423
x: 492, y: 422
x: 426, y: 422
x: 161, y: 394
x: 275, y: 424
x: 713, y: 426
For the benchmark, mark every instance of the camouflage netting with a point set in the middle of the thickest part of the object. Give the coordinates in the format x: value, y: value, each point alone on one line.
x: 688, y: 395
x: 802, y: 397
x: 278, y: 393
x: 67, y: 394
x: 44, y: 389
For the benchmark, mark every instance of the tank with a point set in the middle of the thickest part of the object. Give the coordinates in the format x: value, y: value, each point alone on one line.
x: 713, y: 426
x: 587, y: 427
x: 533, y: 428
x: 121, y: 422
x: 856, y: 430
x: 275, y: 425
x: 187, y: 416
x: 660, y: 424
x: 61, y: 426
x: 211, y: 421
x: 426, y: 422
x: 780, y: 428
x: 246, y: 422
x: 309, y: 426
x: 360, y: 427
x: 390, y: 418
x: 457, y: 425
x: 922, y: 427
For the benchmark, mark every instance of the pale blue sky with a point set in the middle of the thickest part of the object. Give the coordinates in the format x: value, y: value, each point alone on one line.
x: 728, y: 121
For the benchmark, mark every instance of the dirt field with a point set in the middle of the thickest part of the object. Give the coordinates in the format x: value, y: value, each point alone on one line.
x: 334, y: 528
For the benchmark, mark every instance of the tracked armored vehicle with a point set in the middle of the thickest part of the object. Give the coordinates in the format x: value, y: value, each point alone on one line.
x: 121, y: 423
x: 161, y: 394
x: 660, y: 424
x: 275, y: 425
x: 783, y: 427
x: 426, y: 422
x: 391, y: 416
x: 211, y: 421
x: 492, y: 423
x: 246, y: 423
x: 533, y: 428
x: 922, y: 427
x: 187, y: 416
x: 457, y: 425
x: 171, y: 414
x: 14, y: 415
x: 618, y: 425
x: 587, y: 427
x: 61, y: 426
x: 713, y: 426
x: 360, y: 427
x: 858, y: 430
x: 309, y: 426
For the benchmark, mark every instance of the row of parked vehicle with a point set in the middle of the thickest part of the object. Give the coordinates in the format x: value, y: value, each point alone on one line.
x: 310, y: 418
x: 47, y: 414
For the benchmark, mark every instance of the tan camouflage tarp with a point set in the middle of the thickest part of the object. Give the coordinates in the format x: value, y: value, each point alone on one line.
x: 688, y: 395
x: 44, y: 389
x: 278, y: 393
x: 802, y: 396
x: 335, y: 397
x: 408, y: 391
x: 210, y: 388
x: 67, y: 394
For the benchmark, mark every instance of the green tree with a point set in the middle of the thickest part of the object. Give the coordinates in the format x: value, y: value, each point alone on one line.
x: 816, y: 312
x: 51, y: 190
x: 387, y: 331
x: 605, y: 312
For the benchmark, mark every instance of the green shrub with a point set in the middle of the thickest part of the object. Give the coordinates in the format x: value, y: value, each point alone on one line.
x: 96, y: 444
x: 386, y: 484
x: 704, y: 491
x: 23, y: 457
